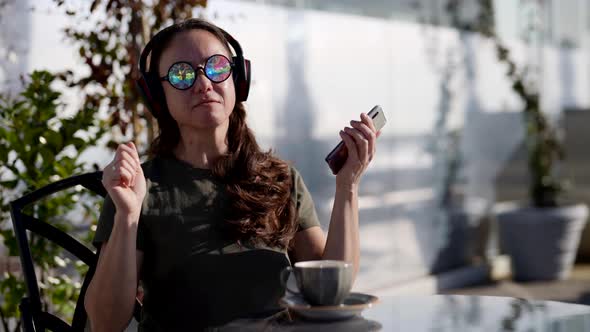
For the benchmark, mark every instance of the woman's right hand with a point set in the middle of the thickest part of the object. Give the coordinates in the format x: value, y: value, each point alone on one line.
x: 124, y: 180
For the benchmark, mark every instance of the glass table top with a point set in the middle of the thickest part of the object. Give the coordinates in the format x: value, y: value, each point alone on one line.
x: 442, y: 313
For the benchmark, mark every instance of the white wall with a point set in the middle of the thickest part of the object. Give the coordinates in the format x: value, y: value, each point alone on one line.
x: 318, y: 70
x: 15, y: 36
x: 314, y: 71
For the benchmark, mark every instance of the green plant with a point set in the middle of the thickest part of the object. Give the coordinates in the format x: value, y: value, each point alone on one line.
x: 445, y: 142
x: 38, y: 146
x: 543, y: 147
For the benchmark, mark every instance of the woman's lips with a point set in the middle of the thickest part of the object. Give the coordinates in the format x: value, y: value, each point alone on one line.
x: 206, y: 102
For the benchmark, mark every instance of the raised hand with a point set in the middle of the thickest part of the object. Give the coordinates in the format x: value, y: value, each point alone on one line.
x: 360, y: 142
x: 124, y: 180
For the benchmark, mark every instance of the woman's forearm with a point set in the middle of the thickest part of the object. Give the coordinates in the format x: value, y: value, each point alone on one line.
x: 343, y: 233
x: 110, y: 297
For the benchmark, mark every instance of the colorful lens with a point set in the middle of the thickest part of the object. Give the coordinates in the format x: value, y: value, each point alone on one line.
x: 218, y: 68
x: 181, y: 75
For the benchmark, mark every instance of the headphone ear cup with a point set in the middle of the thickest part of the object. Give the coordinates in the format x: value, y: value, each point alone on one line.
x: 247, y: 80
x: 151, y: 92
x: 242, y: 78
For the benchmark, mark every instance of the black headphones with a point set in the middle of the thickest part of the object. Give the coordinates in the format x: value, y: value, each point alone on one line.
x: 151, y: 88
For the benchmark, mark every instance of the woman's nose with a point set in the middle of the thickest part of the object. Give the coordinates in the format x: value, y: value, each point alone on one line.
x: 202, y: 83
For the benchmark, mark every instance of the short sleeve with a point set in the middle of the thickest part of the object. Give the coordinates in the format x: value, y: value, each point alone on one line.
x: 105, y: 225
x: 306, y: 213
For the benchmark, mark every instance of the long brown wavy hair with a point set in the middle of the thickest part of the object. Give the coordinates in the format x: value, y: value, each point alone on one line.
x: 258, y: 183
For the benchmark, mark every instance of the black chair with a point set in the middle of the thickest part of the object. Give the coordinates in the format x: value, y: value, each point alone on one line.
x: 33, y: 318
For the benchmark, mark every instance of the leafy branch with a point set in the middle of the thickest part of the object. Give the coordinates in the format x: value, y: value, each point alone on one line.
x: 110, y: 49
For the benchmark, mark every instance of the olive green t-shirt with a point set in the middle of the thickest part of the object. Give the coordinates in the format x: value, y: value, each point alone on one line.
x: 193, y: 274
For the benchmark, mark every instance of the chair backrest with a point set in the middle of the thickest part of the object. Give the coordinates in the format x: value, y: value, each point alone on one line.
x: 32, y: 315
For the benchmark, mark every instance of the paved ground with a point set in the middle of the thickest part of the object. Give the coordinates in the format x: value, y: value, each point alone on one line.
x: 576, y: 289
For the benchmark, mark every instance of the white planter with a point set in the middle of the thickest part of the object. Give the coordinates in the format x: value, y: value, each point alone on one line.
x: 541, y: 242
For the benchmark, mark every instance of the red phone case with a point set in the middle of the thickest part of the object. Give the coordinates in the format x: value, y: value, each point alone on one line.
x: 337, y: 157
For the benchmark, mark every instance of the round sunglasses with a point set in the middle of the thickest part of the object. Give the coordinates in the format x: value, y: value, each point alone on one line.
x: 182, y: 75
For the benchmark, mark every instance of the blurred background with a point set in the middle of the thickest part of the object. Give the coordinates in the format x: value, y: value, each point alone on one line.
x: 460, y: 81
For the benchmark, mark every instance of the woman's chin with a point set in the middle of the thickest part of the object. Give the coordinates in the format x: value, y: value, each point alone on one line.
x: 207, y: 110
x: 210, y: 118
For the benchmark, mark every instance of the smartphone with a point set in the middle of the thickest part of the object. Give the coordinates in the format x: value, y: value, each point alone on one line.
x: 339, y: 154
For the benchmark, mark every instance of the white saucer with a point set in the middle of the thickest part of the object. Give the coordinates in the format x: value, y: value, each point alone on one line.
x: 353, y: 305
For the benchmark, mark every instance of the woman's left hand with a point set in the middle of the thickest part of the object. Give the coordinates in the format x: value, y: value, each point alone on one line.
x: 360, y: 143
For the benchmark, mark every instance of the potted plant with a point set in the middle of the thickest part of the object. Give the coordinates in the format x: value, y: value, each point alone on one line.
x: 465, y: 216
x: 39, y: 145
x: 541, y: 237
x: 462, y: 218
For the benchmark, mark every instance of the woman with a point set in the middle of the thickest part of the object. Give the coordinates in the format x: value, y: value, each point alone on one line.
x: 208, y: 223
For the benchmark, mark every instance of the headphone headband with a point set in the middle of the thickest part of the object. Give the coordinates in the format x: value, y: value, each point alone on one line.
x: 151, y: 88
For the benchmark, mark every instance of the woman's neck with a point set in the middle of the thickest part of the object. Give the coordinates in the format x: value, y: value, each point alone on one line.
x: 201, y: 149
